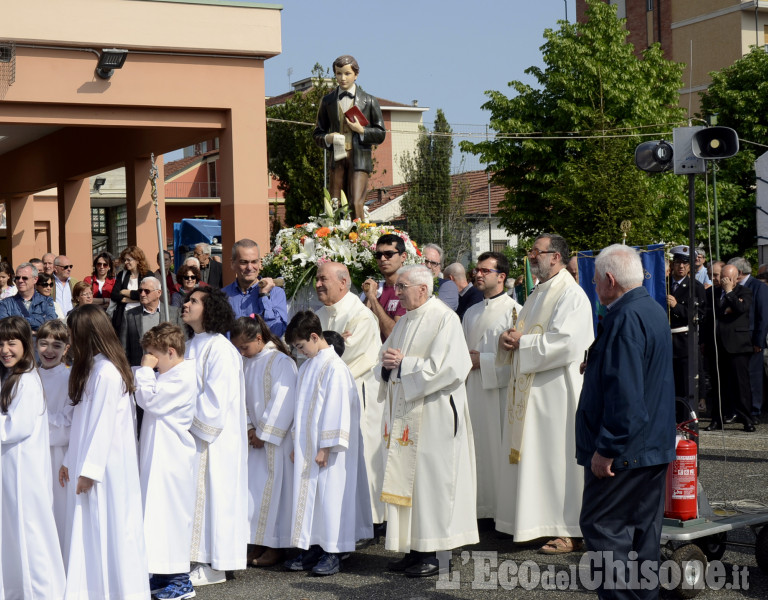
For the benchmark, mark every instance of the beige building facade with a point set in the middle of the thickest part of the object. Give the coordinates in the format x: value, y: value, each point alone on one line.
x: 194, y: 71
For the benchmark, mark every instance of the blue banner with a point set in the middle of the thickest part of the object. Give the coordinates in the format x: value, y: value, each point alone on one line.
x: 654, y: 270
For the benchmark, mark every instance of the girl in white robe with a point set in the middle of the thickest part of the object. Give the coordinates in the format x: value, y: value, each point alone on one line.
x: 105, y: 552
x: 270, y: 387
x: 220, y: 528
x: 31, y: 556
x: 52, y: 345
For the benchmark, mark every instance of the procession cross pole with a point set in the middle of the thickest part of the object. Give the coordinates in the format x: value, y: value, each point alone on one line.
x: 153, y: 175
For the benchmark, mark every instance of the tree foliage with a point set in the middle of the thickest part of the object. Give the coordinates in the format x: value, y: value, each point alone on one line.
x: 565, y: 149
x: 433, y: 207
x: 294, y: 158
x: 738, y: 96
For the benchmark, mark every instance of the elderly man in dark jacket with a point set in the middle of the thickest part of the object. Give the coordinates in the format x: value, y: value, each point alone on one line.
x: 625, y: 427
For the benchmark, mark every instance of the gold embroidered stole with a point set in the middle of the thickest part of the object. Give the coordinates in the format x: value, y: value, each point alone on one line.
x: 534, y: 320
x: 403, y: 442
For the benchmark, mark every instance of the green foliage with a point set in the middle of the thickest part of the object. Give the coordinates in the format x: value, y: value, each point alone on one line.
x: 432, y: 207
x: 597, y: 97
x: 738, y: 96
x: 294, y: 158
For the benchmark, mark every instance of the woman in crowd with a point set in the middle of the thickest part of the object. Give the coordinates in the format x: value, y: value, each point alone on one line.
x: 81, y: 294
x: 104, y: 546
x: 188, y: 279
x: 221, y: 511
x: 103, y: 279
x: 44, y: 286
x: 125, y: 293
x: 7, y: 287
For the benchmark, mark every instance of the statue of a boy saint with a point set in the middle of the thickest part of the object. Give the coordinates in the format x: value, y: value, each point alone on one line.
x: 349, y: 137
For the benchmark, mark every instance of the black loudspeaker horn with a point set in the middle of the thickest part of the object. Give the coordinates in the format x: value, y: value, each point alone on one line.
x: 713, y: 143
x: 654, y: 156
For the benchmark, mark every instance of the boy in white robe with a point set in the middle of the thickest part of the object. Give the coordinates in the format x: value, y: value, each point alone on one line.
x: 331, y: 505
x: 167, y: 458
x: 52, y: 346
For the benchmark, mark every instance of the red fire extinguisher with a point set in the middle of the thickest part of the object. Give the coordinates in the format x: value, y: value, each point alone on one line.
x: 680, y: 500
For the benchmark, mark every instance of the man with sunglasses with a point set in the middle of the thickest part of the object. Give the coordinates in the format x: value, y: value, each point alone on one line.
x: 487, y: 382
x: 63, y: 283
x: 142, y: 318
x: 381, y: 297
x: 28, y: 303
x: 540, y: 484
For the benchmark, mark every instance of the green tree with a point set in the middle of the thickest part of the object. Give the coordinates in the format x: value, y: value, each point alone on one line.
x: 738, y: 96
x: 572, y: 170
x: 433, y: 206
x: 294, y: 158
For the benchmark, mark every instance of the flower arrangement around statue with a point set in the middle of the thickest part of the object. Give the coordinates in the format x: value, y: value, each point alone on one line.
x: 330, y: 237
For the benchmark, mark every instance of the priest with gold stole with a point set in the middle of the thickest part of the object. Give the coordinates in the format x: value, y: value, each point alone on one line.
x: 539, y: 488
x: 429, y: 480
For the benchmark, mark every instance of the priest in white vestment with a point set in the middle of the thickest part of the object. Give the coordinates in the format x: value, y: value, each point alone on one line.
x: 331, y: 508
x: 167, y: 453
x: 344, y: 313
x: 31, y: 555
x: 220, y: 525
x: 487, y: 382
x: 429, y: 479
x: 540, y: 485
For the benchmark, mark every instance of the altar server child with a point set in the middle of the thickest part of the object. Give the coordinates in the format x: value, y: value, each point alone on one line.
x: 270, y: 388
x: 167, y: 458
x: 104, y: 546
x: 331, y: 506
x: 31, y: 555
x: 52, y: 347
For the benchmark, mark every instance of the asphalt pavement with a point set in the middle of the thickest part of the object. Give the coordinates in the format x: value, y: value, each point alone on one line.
x: 733, y: 471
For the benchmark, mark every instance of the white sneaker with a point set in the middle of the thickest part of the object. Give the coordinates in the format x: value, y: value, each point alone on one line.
x: 202, y: 574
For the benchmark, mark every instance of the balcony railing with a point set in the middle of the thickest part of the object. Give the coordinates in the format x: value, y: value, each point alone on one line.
x: 192, y: 189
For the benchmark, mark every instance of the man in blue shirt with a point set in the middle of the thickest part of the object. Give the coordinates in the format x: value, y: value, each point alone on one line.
x: 27, y: 303
x: 249, y: 294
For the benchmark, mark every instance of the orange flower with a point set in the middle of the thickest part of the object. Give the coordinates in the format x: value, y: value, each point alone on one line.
x: 353, y: 236
x: 415, y: 245
x: 323, y: 232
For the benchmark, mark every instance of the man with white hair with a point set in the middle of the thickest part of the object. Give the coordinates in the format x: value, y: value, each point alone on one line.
x: 210, y: 270
x: 429, y: 478
x: 469, y: 295
x: 344, y: 313
x: 142, y: 318
x: 539, y: 485
x: 625, y: 428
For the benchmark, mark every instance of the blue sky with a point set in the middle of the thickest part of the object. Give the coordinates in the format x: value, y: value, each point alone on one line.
x: 443, y: 53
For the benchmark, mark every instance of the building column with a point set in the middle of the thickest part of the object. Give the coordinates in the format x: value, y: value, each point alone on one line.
x: 75, y: 235
x: 20, y: 220
x: 243, y: 182
x: 141, y: 220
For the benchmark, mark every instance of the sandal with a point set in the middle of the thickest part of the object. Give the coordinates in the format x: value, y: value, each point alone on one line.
x: 563, y: 545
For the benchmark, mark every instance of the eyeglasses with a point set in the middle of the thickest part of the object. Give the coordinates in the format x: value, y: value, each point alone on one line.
x: 534, y: 252
x: 100, y: 264
x: 65, y: 266
x: 486, y: 271
x: 146, y: 291
x: 431, y: 263
x: 49, y: 284
x: 189, y: 277
x: 385, y: 253
x: 402, y: 286
x: 21, y: 278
